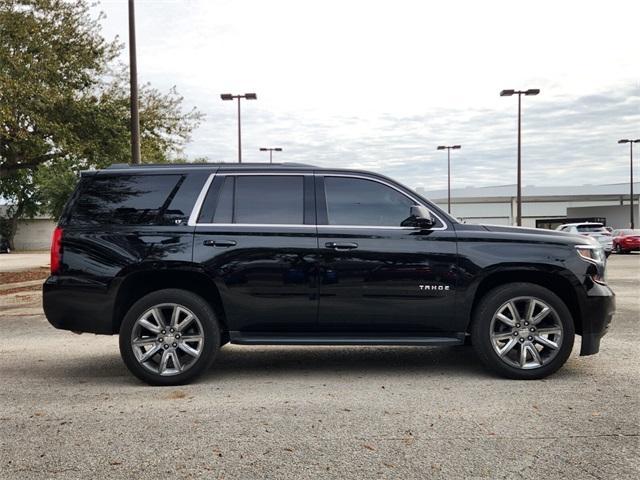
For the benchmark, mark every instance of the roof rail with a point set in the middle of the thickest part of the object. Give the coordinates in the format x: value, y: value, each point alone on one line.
x: 114, y: 166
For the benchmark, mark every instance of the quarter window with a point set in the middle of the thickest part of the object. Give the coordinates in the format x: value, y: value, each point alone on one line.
x: 128, y: 200
x: 355, y: 201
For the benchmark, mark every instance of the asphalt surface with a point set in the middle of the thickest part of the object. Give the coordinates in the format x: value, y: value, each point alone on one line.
x: 70, y: 409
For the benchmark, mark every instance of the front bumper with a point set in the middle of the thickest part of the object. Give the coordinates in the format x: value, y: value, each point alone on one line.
x: 598, y: 308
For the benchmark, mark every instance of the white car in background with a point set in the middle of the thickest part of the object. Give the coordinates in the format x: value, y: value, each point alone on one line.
x: 590, y: 229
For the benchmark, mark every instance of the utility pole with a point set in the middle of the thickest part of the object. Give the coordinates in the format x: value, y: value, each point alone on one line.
x: 448, y: 148
x: 631, y: 212
x: 246, y: 96
x: 270, y: 150
x: 508, y: 93
x: 133, y: 96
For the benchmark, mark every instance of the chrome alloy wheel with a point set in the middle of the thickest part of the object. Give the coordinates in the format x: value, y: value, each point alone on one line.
x: 526, y: 333
x: 167, y: 339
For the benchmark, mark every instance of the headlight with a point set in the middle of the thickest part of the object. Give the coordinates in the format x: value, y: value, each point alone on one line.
x: 592, y: 253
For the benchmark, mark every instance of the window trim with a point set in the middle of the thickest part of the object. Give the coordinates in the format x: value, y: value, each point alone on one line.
x: 195, y: 213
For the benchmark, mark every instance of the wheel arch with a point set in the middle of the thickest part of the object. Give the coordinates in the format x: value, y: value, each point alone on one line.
x: 140, y: 283
x: 557, y: 282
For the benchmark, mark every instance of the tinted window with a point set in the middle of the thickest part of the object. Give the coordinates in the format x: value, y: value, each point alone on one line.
x: 224, y: 209
x: 269, y: 199
x: 128, y: 200
x: 592, y: 228
x: 354, y: 201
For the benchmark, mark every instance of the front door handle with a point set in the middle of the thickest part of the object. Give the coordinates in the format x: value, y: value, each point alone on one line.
x: 220, y: 243
x: 341, y: 246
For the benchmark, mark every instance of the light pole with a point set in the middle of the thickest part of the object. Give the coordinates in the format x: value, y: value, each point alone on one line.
x: 508, y: 93
x: 270, y: 150
x: 133, y: 93
x: 246, y: 96
x: 630, y: 142
x: 448, y: 148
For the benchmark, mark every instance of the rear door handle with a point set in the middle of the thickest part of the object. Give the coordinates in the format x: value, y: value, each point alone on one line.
x: 220, y: 243
x: 341, y: 246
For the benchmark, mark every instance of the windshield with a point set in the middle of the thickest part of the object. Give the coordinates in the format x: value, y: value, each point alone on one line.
x: 592, y: 229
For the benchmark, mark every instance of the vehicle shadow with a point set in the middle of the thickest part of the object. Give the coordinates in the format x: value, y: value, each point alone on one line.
x: 278, y: 363
x: 281, y: 362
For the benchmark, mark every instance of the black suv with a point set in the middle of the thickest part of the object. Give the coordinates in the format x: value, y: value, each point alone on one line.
x: 181, y: 259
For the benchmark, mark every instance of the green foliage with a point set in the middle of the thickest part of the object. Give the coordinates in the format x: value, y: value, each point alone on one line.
x: 52, y: 58
x: 55, y: 185
x: 64, y: 105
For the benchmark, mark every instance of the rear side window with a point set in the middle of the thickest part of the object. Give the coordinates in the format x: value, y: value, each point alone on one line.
x: 255, y: 199
x: 592, y: 229
x: 355, y: 201
x: 128, y: 200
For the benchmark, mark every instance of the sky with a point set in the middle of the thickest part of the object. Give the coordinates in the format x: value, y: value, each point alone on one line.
x: 378, y: 85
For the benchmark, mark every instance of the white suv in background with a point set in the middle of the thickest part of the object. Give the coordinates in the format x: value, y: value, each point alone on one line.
x: 590, y: 229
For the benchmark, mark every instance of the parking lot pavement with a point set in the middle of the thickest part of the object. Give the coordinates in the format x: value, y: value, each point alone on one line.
x: 16, y: 262
x: 69, y: 409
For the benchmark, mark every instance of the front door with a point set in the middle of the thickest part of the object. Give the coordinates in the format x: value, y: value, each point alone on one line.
x: 377, y: 276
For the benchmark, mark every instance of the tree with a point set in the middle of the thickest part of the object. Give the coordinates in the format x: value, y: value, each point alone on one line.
x: 64, y: 104
x: 164, y: 129
x: 21, y: 190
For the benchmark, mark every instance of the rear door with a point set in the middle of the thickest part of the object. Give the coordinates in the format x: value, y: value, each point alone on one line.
x: 375, y: 274
x: 256, y: 237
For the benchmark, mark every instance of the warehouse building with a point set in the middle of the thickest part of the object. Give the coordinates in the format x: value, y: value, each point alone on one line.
x: 542, y: 207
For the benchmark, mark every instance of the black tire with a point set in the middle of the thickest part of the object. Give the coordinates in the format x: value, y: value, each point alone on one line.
x: 210, y: 332
x: 618, y: 249
x: 481, y: 330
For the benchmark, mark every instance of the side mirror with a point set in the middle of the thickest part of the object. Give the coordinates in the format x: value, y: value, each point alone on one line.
x: 421, y: 217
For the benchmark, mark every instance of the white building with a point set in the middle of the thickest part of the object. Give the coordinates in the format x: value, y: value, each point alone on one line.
x: 32, y: 234
x: 544, y: 207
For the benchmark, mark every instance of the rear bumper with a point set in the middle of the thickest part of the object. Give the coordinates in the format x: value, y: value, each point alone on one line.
x: 75, y: 308
x: 597, y: 311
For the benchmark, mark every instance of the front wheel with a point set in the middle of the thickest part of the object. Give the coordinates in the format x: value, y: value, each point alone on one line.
x: 522, y: 331
x: 169, y: 337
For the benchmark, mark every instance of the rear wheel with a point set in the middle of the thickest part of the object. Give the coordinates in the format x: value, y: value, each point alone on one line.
x: 169, y: 337
x: 522, y: 331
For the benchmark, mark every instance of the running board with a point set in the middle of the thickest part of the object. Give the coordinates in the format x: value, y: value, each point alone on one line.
x: 240, y: 338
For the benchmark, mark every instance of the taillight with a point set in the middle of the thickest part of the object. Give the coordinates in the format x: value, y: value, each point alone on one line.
x: 56, y: 250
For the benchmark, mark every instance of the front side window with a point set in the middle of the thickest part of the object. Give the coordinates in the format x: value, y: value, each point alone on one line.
x: 257, y: 199
x: 356, y: 201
